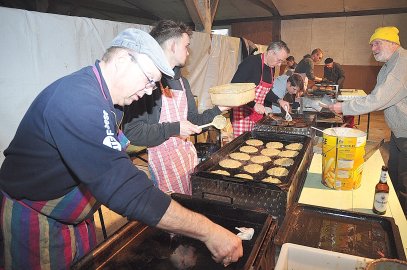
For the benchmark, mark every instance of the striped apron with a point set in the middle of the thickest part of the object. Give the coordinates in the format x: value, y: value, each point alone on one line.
x: 245, y: 117
x: 174, y: 160
x: 48, y: 234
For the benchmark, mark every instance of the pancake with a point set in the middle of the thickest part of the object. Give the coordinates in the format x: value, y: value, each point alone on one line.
x: 248, y: 149
x: 277, y: 171
x: 270, y: 152
x: 288, y: 153
x: 276, y: 145
x: 244, y: 175
x: 253, y: 168
x: 254, y: 142
x: 260, y: 159
x: 294, y: 146
x: 272, y: 180
x: 223, y: 172
x: 285, y: 162
x: 230, y: 163
x: 240, y: 156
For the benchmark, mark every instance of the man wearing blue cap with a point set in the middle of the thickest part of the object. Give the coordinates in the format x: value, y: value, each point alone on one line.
x: 390, y: 95
x: 67, y: 159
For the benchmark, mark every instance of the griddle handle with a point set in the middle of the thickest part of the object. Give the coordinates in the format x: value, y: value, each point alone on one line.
x: 217, y: 197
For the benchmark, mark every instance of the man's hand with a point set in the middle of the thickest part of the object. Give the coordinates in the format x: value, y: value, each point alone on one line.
x: 284, y: 104
x: 225, y: 246
x: 258, y: 108
x: 186, y: 128
x: 336, y: 107
x: 317, y: 79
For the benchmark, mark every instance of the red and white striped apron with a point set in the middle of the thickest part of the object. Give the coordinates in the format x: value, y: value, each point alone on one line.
x: 48, y: 234
x: 244, y: 116
x: 174, y: 160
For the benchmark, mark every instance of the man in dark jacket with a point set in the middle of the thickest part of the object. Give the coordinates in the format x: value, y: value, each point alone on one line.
x: 333, y: 72
x: 306, y: 65
x: 164, y: 120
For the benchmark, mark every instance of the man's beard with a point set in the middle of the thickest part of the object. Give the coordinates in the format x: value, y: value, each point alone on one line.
x: 379, y: 57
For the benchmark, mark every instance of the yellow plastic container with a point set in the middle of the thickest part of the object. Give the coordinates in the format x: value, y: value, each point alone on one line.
x: 342, y: 158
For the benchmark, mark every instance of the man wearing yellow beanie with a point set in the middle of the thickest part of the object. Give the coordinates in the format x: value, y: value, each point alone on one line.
x: 390, y: 95
x: 389, y: 33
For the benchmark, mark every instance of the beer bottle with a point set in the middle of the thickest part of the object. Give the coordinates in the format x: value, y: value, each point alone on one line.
x: 381, y: 194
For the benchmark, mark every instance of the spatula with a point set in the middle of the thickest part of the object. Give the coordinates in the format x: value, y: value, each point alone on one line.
x: 288, y: 116
x: 219, y: 122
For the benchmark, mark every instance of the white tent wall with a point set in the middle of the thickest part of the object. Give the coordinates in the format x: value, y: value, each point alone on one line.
x: 38, y: 48
x: 345, y: 39
x: 221, y: 56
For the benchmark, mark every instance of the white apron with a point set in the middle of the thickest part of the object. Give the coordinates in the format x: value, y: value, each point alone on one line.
x: 174, y: 160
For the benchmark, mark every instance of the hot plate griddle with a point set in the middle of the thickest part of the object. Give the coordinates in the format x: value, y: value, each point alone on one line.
x: 342, y: 231
x: 137, y: 246
x: 253, y: 194
x: 301, y: 124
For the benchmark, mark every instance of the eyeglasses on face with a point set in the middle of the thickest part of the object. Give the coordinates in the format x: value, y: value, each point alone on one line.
x: 151, y: 83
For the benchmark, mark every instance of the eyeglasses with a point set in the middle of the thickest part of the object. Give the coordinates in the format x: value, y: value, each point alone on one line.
x: 151, y: 83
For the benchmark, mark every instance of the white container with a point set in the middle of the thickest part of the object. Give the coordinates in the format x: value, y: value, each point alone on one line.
x: 232, y: 94
x: 297, y: 257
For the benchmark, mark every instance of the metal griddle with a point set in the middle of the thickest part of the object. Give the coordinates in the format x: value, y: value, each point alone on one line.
x: 137, y: 246
x: 358, y: 234
x: 301, y: 124
x: 253, y: 194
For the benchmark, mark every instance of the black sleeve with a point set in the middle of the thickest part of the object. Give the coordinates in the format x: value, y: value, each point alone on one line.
x: 249, y: 71
x: 193, y: 116
x: 271, y: 98
x: 326, y: 73
x: 310, y: 70
x: 141, y: 119
x: 341, y: 74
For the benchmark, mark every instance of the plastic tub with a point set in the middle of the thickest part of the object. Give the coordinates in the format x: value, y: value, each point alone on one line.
x: 297, y: 257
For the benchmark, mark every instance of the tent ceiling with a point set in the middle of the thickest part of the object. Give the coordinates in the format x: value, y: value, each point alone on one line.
x: 228, y: 11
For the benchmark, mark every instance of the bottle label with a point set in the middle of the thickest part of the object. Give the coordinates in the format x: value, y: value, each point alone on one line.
x: 383, y: 177
x: 380, y: 201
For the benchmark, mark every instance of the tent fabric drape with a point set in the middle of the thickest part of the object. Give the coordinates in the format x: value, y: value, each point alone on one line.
x: 38, y: 48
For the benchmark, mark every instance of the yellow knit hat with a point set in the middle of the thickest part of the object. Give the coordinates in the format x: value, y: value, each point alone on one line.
x: 389, y: 33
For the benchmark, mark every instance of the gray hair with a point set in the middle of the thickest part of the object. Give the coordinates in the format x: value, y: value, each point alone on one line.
x: 277, y: 46
x: 112, y: 51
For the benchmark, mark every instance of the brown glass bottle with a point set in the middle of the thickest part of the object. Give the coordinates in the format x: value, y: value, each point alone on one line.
x: 381, y: 194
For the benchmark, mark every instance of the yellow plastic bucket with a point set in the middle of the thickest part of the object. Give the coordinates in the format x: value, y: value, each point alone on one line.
x: 342, y: 158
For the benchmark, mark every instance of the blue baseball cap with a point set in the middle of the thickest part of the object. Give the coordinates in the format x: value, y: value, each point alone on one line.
x: 141, y: 42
